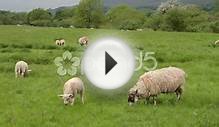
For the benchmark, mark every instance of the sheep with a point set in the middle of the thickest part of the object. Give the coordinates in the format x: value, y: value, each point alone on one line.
x: 71, y: 88
x: 21, y: 69
x: 151, y: 84
x: 140, y: 30
x: 57, y: 41
x: 60, y: 42
x: 83, y: 41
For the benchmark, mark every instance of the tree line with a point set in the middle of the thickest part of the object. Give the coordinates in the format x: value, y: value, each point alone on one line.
x: 169, y: 16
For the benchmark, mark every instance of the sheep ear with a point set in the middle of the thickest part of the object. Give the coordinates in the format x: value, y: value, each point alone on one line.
x: 60, y: 95
x: 29, y: 70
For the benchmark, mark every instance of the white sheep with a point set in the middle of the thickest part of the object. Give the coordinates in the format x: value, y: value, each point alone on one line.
x: 140, y: 30
x: 83, y: 41
x: 57, y: 42
x: 151, y: 84
x: 71, y: 88
x: 21, y: 69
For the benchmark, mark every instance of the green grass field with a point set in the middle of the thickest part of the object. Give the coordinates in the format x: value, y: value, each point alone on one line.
x: 33, y: 101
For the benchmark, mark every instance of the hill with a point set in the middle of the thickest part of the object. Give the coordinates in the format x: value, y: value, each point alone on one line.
x: 149, y: 4
x: 156, y: 3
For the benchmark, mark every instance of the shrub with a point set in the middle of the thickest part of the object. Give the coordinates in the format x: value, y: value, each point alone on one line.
x: 215, y: 27
x: 28, y: 46
x: 175, y: 19
x: 69, y: 48
x: 2, y: 45
x: 125, y: 17
x: 154, y: 22
x: 64, y: 23
x: 41, y: 23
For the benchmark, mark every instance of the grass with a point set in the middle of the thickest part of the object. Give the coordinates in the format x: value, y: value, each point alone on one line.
x: 33, y: 101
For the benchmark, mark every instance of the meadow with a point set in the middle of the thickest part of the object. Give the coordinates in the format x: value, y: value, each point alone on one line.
x: 33, y: 101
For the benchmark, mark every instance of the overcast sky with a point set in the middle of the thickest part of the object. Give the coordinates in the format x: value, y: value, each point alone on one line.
x: 27, y: 5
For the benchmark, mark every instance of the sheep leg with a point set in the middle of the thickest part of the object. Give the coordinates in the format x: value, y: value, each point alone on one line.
x: 82, y: 97
x: 73, y: 100
x: 22, y: 74
x: 178, y: 93
x: 154, y: 100
x: 16, y: 74
x: 74, y: 96
x: 147, y: 100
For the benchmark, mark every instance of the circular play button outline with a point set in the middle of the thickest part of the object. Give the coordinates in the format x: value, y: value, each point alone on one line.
x: 108, y: 63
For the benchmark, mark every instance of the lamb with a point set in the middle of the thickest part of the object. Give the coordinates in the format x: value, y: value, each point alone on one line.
x: 60, y: 42
x: 83, y: 41
x: 151, y: 84
x: 21, y: 69
x: 73, y: 87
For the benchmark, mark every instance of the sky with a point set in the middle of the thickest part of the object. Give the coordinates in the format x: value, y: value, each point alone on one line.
x: 28, y: 5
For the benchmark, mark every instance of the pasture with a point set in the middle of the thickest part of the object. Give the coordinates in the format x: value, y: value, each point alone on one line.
x: 33, y: 101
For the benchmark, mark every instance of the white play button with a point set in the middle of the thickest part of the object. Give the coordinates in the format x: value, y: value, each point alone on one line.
x: 108, y: 63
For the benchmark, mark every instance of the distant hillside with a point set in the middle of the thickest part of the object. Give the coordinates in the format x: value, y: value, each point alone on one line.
x: 156, y: 3
x: 53, y: 11
x: 151, y: 4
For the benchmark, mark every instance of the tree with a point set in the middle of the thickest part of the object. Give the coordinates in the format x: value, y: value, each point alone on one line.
x: 165, y: 6
x: 20, y: 18
x: 175, y: 19
x: 89, y: 13
x: 196, y: 19
x: 216, y: 5
x: 65, y: 13
x: 5, y: 18
x: 39, y: 17
x: 125, y: 17
x: 154, y: 22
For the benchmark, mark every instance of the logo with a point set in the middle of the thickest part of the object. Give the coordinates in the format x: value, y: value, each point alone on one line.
x: 67, y: 64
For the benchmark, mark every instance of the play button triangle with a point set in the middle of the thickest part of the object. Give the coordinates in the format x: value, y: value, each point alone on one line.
x: 109, y: 63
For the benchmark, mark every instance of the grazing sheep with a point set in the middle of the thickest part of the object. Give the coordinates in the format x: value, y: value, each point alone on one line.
x: 216, y: 42
x: 83, y: 41
x: 140, y: 30
x: 60, y: 42
x: 73, y: 87
x: 72, y: 26
x: 21, y: 69
x: 151, y: 84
